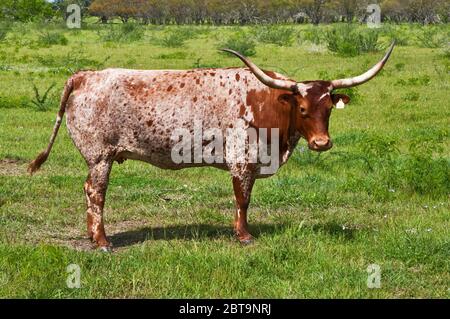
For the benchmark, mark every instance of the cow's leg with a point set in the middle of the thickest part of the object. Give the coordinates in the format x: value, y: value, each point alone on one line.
x: 95, y: 190
x: 87, y: 186
x: 242, y: 186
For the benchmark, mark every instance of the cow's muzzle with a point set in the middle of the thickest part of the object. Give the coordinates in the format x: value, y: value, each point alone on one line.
x: 320, y: 144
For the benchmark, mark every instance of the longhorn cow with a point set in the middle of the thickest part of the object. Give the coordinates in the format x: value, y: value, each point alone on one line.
x: 118, y: 114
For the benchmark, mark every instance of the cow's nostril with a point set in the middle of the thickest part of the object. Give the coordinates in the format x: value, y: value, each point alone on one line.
x: 321, y: 142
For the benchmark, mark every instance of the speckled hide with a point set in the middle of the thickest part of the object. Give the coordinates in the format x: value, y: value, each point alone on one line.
x: 126, y: 114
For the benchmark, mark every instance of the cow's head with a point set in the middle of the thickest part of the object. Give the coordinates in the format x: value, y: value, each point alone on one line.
x: 314, y: 100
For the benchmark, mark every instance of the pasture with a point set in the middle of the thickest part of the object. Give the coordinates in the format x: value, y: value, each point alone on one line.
x: 379, y: 196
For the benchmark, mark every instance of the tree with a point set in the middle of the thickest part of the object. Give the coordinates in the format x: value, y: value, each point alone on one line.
x: 349, y: 9
x: 424, y: 11
x: 61, y: 5
x: 101, y: 9
x: 26, y: 10
x: 313, y: 8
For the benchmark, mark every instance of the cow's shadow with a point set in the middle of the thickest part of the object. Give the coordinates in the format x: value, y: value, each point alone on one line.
x: 186, y: 232
x: 206, y: 231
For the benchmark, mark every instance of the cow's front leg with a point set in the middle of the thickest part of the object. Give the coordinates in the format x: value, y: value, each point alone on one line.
x: 242, y: 186
x: 95, y: 190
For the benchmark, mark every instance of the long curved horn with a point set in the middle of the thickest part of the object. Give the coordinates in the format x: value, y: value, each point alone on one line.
x: 361, y: 79
x: 264, y: 78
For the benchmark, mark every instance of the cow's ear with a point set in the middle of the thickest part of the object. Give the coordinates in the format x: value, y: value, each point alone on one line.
x: 340, y: 100
x: 287, y: 99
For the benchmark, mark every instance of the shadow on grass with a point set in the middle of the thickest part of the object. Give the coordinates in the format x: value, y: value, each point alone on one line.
x: 187, y: 232
x: 206, y: 231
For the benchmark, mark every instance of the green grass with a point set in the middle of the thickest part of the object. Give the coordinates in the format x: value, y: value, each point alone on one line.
x: 380, y: 196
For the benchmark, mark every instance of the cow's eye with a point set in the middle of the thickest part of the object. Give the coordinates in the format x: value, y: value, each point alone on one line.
x: 302, y: 110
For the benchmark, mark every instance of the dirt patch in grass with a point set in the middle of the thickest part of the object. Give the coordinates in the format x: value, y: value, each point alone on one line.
x: 74, y: 238
x: 11, y: 166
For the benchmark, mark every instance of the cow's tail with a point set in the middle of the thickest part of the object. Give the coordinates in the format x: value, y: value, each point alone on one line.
x: 42, y: 157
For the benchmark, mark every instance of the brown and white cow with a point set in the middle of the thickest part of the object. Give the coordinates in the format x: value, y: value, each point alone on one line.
x: 118, y: 114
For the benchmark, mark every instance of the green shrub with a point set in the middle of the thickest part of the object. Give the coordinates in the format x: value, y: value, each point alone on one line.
x: 446, y: 52
x: 4, y: 29
x: 423, y: 171
x: 241, y: 42
x: 70, y: 63
x: 432, y: 37
x: 47, y: 39
x: 346, y: 40
x: 177, y: 38
x: 397, y: 34
x: 174, y: 39
x: 179, y: 55
x: 111, y: 34
x: 313, y: 34
x: 274, y: 34
x: 42, y: 102
x: 126, y: 32
x: 132, y: 32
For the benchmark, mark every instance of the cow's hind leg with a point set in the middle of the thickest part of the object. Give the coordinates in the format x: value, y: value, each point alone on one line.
x: 95, y: 191
x: 242, y: 186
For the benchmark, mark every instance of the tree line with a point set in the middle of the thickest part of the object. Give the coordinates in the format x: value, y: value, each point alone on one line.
x: 229, y: 12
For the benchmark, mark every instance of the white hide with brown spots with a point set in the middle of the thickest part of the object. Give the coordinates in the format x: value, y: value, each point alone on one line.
x: 128, y: 114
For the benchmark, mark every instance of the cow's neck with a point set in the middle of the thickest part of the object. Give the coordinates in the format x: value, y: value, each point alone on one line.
x: 269, y: 112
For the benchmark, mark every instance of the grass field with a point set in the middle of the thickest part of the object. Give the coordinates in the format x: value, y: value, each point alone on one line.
x: 380, y: 196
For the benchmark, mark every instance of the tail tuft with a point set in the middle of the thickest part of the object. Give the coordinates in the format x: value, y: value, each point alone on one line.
x: 36, y: 164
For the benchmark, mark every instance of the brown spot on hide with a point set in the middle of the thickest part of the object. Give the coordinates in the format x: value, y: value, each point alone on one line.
x: 242, y: 110
x: 136, y: 89
x: 102, y: 103
x: 79, y: 80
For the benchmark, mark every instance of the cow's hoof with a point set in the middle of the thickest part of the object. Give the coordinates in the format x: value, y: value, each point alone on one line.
x: 106, y: 249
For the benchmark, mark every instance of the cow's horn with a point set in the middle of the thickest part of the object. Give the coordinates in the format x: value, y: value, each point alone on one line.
x: 263, y: 77
x: 363, y: 78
